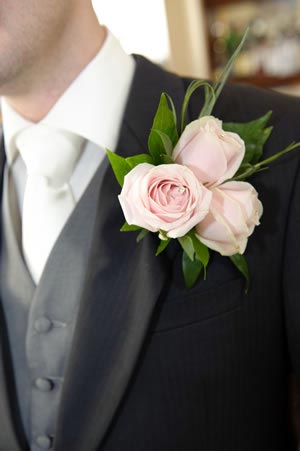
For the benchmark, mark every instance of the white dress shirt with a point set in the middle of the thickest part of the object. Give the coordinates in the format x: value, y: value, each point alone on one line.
x: 92, y: 107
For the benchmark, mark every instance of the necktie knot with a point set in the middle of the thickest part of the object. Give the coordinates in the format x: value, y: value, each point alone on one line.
x: 49, y: 153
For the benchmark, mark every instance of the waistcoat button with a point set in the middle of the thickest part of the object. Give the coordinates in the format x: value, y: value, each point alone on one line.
x: 43, y: 325
x: 44, y: 441
x: 43, y: 384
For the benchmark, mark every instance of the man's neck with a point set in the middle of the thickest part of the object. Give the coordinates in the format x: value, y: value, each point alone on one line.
x: 36, y: 97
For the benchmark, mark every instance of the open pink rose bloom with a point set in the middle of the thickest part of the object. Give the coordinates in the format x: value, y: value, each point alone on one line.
x: 165, y: 198
x: 195, y: 191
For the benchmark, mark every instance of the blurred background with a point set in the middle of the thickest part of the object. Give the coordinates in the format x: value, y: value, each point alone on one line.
x: 196, y: 37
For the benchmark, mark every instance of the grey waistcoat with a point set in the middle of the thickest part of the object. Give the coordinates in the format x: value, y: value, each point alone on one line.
x: 41, y: 320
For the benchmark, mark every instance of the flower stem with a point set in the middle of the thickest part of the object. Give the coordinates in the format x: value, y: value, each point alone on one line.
x: 258, y: 167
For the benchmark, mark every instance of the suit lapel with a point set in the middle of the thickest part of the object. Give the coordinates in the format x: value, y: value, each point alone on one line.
x: 11, y: 431
x: 124, y: 282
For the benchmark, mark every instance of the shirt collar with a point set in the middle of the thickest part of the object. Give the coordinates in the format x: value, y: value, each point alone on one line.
x: 92, y: 106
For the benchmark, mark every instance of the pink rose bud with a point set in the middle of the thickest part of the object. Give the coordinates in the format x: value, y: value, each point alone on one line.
x: 234, y: 212
x: 165, y: 198
x: 213, y: 154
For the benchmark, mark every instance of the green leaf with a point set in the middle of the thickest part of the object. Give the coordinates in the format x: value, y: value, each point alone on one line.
x: 191, y: 270
x: 162, y: 246
x: 240, y: 263
x: 165, y: 159
x: 166, y: 142
x: 142, y: 235
x: 211, y: 93
x: 165, y: 122
x: 119, y: 166
x: 129, y: 227
x: 187, y: 245
x: 218, y: 86
x: 267, y: 132
x: 209, y: 102
x: 138, y: 159
x: 255, y: 134
x: 202, y: 251
x: 171, y: 103
x: 194, y: 85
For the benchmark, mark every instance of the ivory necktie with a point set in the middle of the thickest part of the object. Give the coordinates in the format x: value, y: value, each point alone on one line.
x: 50, y: 157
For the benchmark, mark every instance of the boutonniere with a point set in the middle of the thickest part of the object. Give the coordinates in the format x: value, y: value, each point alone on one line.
x: 192, y: 186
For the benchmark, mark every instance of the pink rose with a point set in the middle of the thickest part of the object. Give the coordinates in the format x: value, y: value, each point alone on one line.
x: 234, y: 212
x: 165, y: 198
x: 213, y: 154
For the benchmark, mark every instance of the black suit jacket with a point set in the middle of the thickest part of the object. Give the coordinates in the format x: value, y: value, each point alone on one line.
x: 157, y: 367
